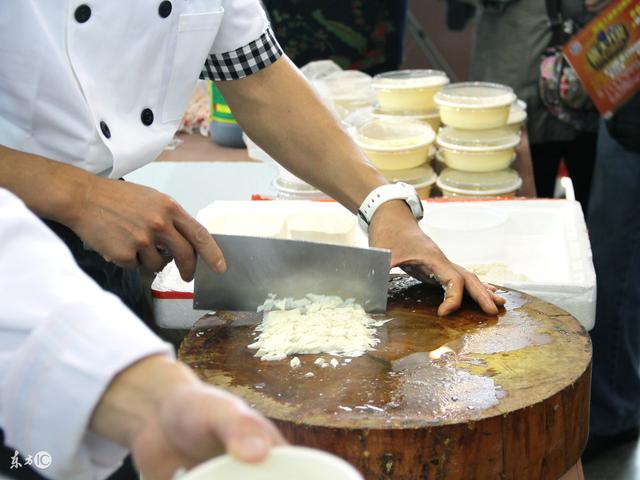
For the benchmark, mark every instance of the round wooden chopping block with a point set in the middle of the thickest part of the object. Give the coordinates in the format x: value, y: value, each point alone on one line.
x: 466, y: 396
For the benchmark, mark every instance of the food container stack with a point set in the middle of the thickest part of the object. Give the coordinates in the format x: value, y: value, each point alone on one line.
x: 478, y: 141
x: 399, y: 138
x: 344, y: 92
x: 400, y: 150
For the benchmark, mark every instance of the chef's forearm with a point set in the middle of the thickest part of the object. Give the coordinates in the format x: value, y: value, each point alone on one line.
x: 279, y: 111
x: 51, y: 189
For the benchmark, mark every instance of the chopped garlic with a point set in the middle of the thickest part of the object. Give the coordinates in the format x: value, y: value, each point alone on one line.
x: 334, y: 363
x: 309, y: 375
x: 319, y: 361
x: 295, y: 362
x: 315, y: 324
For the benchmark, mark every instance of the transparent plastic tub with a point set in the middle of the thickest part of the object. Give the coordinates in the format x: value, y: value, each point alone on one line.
x: 286, y: 190
x: 467, y: 233
x: 349, y: 90
x: 456, y: 183
x: 517, y: 115
x: 478, y: 150
x: 404, y: 90
x: 429, y: 117
x: 395, y: 145
x: 422, y: 178
x: 475, y: 105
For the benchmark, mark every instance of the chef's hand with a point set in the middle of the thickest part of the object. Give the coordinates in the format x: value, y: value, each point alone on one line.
x: 394, y: 227
x: 595, y: 6
x: 170, y: 420
x: 126, y: 223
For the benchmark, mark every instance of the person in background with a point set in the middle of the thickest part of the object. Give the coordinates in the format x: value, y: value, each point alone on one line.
x: 614, y: 230
x: 509, y: 40
x: 84, y: 380
x: 364, y: 35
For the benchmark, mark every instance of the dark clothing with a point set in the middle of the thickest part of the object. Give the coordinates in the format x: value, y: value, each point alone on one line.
x: 614, y: 229
x: 362, y: 35
x: 123, y: 283
x: 579, y: 156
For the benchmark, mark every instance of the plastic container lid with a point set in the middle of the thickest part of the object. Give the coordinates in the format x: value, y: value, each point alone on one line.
x: 500, y: 138
x: 349, y: 85
x: 439, y: 156
x: 405, y: 114
x: 418, y: 176
x: 475, y: 95
x: 403, y: 79
x: 393, y: 135
x: 517, y: 113
x: 479, y: 183
x: 299, y: 191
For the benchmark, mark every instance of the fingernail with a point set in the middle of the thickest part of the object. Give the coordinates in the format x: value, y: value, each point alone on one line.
x: 255, y: 447
x: 221, y: 266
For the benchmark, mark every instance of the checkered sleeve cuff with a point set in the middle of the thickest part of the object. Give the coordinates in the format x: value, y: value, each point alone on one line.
x: 243, y: 61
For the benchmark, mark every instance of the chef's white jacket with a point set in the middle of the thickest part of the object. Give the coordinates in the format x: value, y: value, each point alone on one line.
x: 62, y: 340
x: 103, y: 85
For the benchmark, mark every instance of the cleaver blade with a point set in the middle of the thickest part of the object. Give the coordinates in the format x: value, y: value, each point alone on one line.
x: 258, y: 266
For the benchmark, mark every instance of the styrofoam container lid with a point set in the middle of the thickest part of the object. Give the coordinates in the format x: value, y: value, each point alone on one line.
x: 282, y: 463
x: 479, y: 183
x: 517, y: 113
x: 404, y: 79
x: 405, y: 114
x: 475, y: 95
x: 500, y: 138
x: 393, y: 135
x: 422, y: 175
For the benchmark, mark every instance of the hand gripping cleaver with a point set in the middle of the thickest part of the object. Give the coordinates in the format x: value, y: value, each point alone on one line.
x: 257, y: 267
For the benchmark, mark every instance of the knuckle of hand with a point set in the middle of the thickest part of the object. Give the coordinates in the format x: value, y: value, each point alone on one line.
x: 142, y: 240
x: 170, y: 206
x: 202, y: 234
x: 126, y: 258
x: 157, y: 223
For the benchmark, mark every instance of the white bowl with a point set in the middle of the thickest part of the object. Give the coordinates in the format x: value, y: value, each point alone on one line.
x: 283, y: 463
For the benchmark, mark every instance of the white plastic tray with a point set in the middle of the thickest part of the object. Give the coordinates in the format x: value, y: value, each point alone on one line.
x: 544, y: 240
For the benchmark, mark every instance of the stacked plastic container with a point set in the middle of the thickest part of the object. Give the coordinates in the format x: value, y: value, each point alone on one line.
x: 399, y: 139
x: 477, y: 144
x: 342, y: 91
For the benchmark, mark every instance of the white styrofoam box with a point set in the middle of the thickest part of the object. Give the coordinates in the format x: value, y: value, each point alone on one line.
x: 299, y: 220
x: 544, y: 240
x: 547, y: 241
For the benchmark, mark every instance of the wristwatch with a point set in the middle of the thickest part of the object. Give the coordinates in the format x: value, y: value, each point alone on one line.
x: 385, y: 193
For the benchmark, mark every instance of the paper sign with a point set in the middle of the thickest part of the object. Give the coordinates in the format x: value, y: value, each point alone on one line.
x: 606, y: 55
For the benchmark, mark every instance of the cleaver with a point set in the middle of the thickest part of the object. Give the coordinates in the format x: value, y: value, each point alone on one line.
x: 258, y: 266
